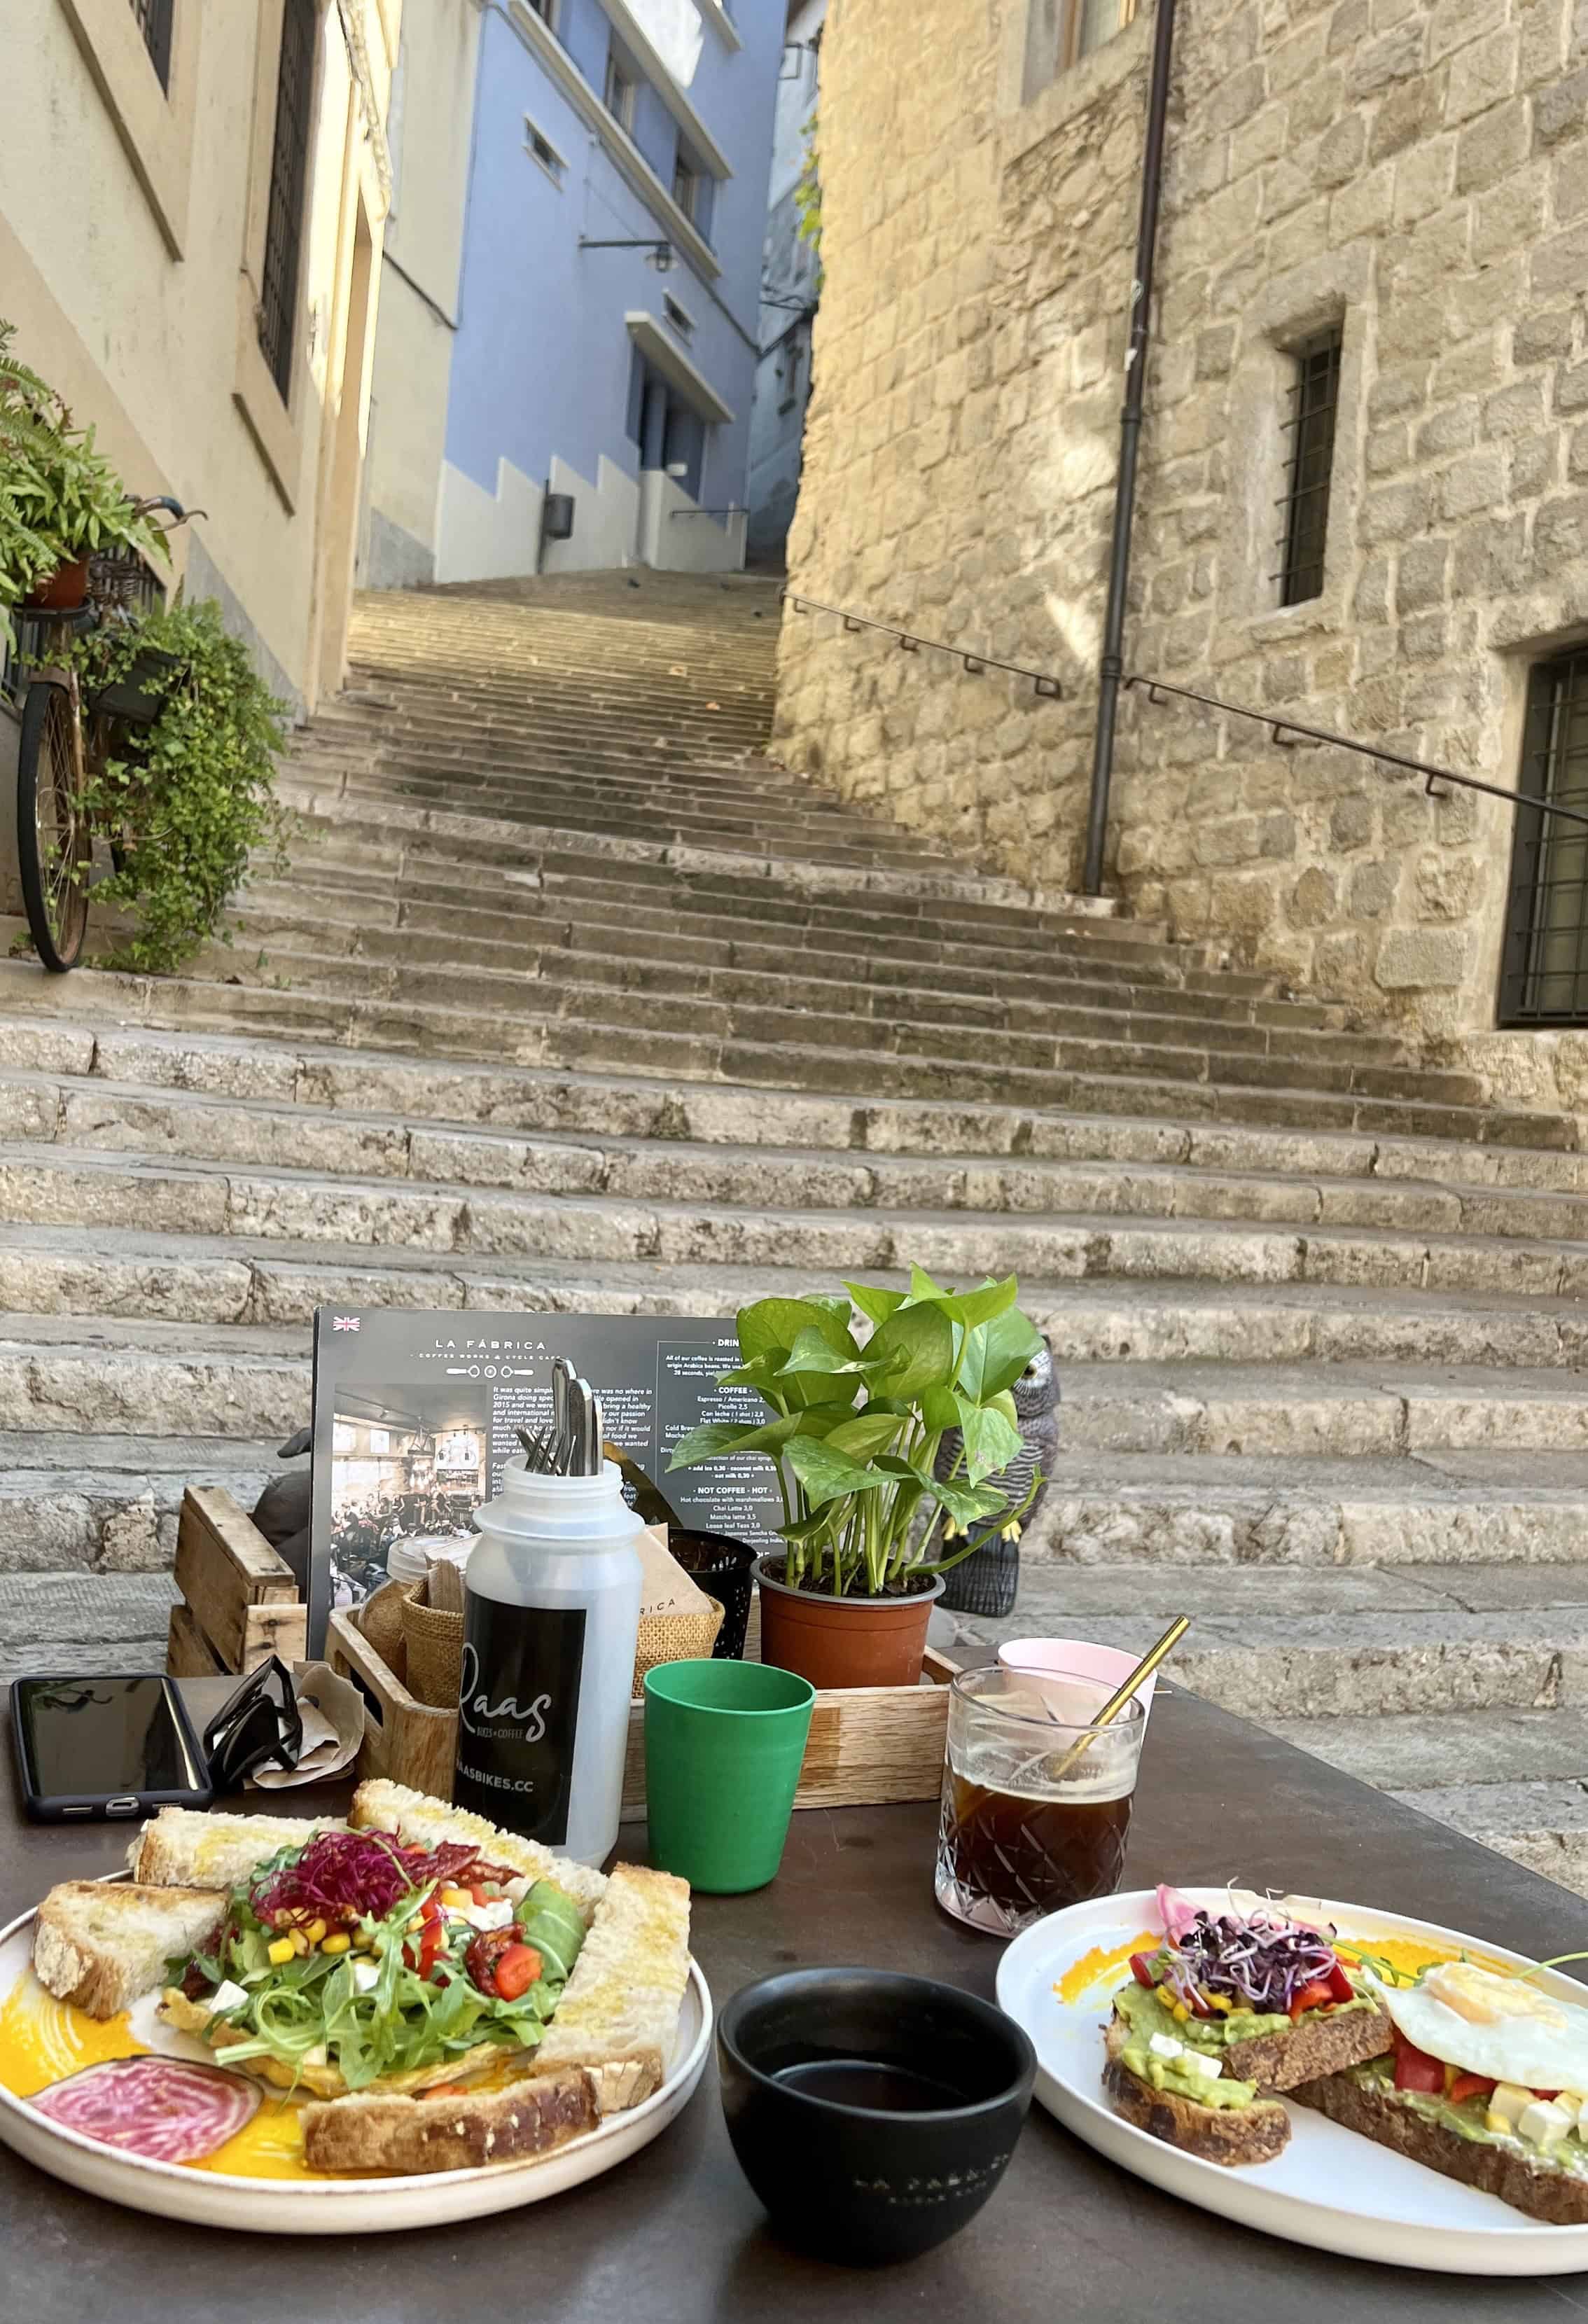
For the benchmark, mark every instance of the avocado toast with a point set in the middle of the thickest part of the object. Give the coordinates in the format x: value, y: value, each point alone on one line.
x: 1228, y: 2010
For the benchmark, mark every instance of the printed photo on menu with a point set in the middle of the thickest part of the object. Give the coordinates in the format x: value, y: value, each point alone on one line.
x: 416, y: 1413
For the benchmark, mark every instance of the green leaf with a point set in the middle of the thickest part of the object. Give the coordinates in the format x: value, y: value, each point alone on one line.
x: 776, y: 1323
x: 714, y: 1439
x: 869, y: 1433
x: 980, y: 1306
x: 965, y: 1503
x: 996, y: 1353
x: 827, y: 1476
x: 917, y: 1342
x: 939, y: 1408
x: 812, y: 1352
x: 922, y: 1287
x: 873, y: 1300
x: 991, y: 1440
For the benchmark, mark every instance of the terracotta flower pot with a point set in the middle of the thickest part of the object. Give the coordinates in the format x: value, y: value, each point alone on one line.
x: 63, y: 591
x: 844, y: 1641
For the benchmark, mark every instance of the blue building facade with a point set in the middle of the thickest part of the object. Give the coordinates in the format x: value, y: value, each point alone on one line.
x: 615, y: 378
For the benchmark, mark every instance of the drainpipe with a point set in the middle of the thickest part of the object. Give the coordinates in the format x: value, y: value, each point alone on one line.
x: 1112, y: 667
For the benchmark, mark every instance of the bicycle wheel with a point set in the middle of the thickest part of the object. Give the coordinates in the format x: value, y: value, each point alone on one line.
x: 53, y: 842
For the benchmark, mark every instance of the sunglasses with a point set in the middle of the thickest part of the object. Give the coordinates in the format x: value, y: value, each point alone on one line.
x: 259, y: 1726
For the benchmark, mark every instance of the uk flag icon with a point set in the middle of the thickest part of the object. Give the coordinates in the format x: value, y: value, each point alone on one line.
x: 344, y: 1323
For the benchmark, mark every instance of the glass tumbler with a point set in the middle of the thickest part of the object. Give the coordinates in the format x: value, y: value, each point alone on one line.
x: 1036, y: 1796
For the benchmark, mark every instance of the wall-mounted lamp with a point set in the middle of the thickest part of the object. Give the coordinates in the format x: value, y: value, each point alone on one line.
x: 660, y: 253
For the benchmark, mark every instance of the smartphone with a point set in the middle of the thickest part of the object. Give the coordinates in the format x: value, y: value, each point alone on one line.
x: 95, y: 1748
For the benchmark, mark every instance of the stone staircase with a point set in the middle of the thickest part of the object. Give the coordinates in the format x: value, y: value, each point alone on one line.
x: 573, y: 1000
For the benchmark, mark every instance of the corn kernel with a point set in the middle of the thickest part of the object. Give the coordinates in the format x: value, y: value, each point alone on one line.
x: 457, y: 1897
x: 340, y: 1944
x: 1180, y: 2013
x: 1497, y: 2121
x: 315, y: 1930
x: 281, y: 1950
x: 362, y: 1941
x: 298, y: 1941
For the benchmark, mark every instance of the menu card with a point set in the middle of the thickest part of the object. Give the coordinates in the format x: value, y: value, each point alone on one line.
x: 415, y: 1412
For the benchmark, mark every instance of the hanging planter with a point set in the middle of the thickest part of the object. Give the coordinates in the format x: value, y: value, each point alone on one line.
x: 63, y: 591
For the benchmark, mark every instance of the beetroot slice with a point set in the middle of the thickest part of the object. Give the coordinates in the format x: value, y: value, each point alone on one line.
x: 168, y: 2109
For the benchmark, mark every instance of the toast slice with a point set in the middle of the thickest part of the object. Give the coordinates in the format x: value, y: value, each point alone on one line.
x: 1325, y: 2042
x: 420, y: 1822
x: 101, y: 1945
x: 1529, y: 2183
x: 458, y: 2133
x: 618, y: 2017
x: 189, y: 1848
x: 1233, y: 2136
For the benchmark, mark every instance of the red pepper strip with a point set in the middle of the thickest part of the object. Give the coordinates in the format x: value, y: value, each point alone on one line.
x: 1416, y: 2070
x: 1340, y: 1985
x: 1469, y: 2086
x: 1141, y: 1969
x: 1317, y: 1995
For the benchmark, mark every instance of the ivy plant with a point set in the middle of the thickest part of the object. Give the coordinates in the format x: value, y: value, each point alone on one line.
x: 59, y: 498
x: 855, y: 1429
x: 190, y: 796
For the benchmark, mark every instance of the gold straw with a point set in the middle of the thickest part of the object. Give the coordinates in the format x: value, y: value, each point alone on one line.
x: 1116, y: 1702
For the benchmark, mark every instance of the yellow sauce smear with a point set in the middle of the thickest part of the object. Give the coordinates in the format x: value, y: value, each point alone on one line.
x: 43, y: 2040
x: 1101, y: 1971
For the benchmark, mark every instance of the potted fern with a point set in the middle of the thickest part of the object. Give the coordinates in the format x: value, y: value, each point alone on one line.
x: 854, y: 1432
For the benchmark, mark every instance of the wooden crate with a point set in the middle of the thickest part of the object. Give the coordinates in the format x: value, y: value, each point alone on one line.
x: 869, y: 1746
x: 239, y: 1602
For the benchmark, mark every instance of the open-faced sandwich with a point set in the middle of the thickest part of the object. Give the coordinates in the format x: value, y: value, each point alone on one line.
x: 1231, y: 2009
x: 1487, y: 2083
x: 437, y: 1993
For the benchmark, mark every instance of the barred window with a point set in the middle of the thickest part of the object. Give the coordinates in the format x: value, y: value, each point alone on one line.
x: 1314, y: 397
x: 289, y: 175
x: 153, y: 21
x: 1545, y: 976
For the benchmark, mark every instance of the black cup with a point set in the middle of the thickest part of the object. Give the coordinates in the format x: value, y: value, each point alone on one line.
x: 856, y: 2182
x: 721, y: 1565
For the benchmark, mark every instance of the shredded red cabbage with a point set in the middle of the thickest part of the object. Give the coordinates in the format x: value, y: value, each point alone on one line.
x: 342, y: 1875
x: 1260, y: 1959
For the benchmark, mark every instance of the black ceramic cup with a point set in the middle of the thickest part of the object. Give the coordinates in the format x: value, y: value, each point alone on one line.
x: 721, y: 1565
x: 873, y: 2113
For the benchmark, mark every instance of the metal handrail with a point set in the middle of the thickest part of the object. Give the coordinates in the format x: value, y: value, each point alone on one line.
x: 1158, y: 687
x: 1045, y: 684
x: 1048, y: 687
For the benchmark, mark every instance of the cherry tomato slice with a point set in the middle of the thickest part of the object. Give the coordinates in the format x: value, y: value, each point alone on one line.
x: 1316, y: 1995
x: 1416, y: 2070
x: 1141, y: 1969
x: 1469, y: 2086
x: 517, y: 1969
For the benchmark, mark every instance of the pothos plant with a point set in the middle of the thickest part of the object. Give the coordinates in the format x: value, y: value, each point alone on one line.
x: 189, y: 797
x: 855, y: 1430
x: 59, y: 498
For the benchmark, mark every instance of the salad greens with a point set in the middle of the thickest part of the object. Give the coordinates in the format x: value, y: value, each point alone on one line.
x: 419, y: 2007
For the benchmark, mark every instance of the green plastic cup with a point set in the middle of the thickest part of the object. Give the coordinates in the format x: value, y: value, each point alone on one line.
x: 725, y: 1743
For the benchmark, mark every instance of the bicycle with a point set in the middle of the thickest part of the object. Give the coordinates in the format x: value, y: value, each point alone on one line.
x: 69, y: 737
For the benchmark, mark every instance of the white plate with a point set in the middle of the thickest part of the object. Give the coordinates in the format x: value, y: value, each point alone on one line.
x: 1330, y: 2188
x: 339, y: 2207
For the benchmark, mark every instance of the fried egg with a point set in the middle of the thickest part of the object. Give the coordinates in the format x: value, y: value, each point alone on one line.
x: 1487, y: 2024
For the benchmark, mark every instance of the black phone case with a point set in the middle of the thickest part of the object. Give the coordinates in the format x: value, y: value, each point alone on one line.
x: 102, y: 1807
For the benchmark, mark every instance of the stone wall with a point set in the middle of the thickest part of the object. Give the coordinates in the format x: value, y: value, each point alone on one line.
x: 1417, y: 174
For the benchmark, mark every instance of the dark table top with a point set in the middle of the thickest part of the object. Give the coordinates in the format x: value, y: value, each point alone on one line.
x: 675, y: 2236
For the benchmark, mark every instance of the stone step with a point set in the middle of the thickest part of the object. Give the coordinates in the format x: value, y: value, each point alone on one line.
x: 646, y: 1214
x: 133, y: 1120
x: 555, y: 980
x: 543, y: 936
x: 150, y: 1377
x: 229, y: 1068
x: 1355, y: 1642
x: 1438, y: 1508
x: 67, y: 1623
x: 240, y: 1279
x: 109, y: 1504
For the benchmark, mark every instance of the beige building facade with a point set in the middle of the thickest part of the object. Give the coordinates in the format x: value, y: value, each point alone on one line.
x: 192, y: 199
x: 1372, y: 268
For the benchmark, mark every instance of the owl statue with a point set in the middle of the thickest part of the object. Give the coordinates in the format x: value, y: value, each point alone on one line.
x: 1036, y: 1406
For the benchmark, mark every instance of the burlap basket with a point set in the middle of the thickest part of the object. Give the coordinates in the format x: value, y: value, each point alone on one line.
x: 434, y: 1643
x: 380, y: 1618
x: 675, y: 1638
